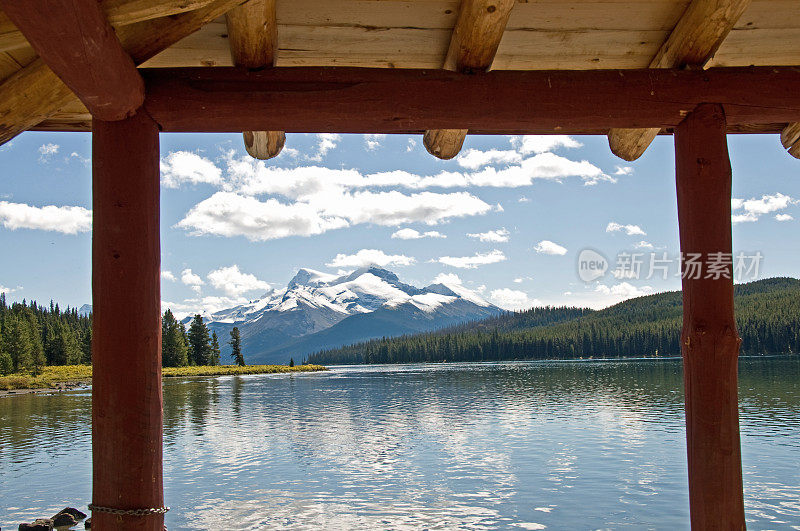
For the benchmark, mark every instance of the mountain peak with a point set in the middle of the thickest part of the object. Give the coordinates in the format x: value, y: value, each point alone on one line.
x: 377, y: 271
x: 309, y: 277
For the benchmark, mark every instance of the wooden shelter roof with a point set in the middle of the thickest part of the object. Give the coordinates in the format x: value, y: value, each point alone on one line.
x: 419, y: 34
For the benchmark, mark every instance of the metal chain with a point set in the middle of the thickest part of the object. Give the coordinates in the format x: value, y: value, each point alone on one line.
x: 128, y: 512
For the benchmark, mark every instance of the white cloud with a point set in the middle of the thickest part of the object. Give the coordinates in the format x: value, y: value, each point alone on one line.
x: 186, y: 167
x: 66, y: 219
x: 192, y: 280
x: 448, y: 279
x: 755, y: 208
x: 230, y: 214
x: 168, y: 275
x: 4, y: 289
x: 630, y: 230
x: 83, y: 160
x: 784, y: 217
x: 497, y: 236
x: 46, y: 151
x: 475, y: 158
x: 368, y: 257
x: 602, y: 296
x: 327, y: 142
x: 471, y: 262
x: 512, y: 299
x: 623, y: 170
x: 523, y: 199
x: 203, y: 306
x: 643, y: 245
x: 411, y: 234
x: 623, y: 290
x: 548, y: 247
x: 235, y: 283
x: 411, y: 145
x: 542, y: 143
x: 373, y: 141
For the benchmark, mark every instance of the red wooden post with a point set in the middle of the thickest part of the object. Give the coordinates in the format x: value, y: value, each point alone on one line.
x: 126, y: 348
x: 710, y: 341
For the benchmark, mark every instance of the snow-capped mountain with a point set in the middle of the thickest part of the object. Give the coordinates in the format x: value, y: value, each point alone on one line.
x: 319, y: 310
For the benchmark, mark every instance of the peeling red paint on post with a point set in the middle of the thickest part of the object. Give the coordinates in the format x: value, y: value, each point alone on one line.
x: 710, y: 341
x: 126, y: 348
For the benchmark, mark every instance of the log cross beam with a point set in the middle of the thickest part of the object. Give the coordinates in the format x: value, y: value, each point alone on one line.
x: 384, y: 100
x: 79, y: 45
x: 692, y: 43
x: 709, y: 341
x: 253, y: 36
x: 473, y: 45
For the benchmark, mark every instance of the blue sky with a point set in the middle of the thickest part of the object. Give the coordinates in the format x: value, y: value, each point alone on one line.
x: 507, y: 218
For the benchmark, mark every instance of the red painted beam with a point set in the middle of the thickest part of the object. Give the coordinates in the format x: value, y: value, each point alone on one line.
x: 126, y: 347
x: 710, y: 341
x: 354, y: 100
x: 76, y: 41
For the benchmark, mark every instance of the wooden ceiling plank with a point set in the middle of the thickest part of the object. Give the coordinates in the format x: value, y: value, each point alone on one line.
x: 253, y: 38
x: 35, y: 93
x: 473, y: 45
x: 696, y: 37
x: 118, y: 12
x: 79, y: 45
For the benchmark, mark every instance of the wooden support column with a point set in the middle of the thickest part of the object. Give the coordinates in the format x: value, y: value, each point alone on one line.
x: 126, y: 346
x: 710, y: 341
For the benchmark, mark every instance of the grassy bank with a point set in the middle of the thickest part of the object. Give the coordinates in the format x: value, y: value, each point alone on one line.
x: 54, y: 377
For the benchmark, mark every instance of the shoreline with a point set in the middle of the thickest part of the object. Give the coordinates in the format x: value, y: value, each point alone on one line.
x: 58, y: 379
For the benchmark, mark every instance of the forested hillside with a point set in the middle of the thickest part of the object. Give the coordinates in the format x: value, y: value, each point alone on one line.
x: 32, y: 336
x: 767, y: 312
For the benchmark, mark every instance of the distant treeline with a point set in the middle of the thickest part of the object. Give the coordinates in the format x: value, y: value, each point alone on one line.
x: 767, y: 315
x: 34, y: 336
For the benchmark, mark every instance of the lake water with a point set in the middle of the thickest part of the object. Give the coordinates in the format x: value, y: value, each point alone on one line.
x: 542, y: 445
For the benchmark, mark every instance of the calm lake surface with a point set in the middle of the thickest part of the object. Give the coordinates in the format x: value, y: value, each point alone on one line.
x: 543, y: 445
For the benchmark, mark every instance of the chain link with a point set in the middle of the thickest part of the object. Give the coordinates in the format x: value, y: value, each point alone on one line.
x: 128, y: 512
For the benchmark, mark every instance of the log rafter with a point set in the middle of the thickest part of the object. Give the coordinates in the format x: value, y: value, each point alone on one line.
x: 253, y: 36
x: 35, y: 93
x: 692, y: 43
x: 473, y: 45
x: 79, y: 45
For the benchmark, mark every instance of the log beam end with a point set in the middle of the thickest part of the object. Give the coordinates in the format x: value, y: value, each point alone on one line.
x: 630, y: 144
x: 264, y: 145
x: 444, y: 143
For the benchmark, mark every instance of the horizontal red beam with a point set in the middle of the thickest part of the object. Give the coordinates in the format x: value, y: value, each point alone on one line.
x: 362, y: 100
x: 76, y: 41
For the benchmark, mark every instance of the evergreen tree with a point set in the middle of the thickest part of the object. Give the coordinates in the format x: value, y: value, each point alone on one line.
x: 18, y: 344
x: 236, y: 347
x: 86, y: 346
x: 214, y: 349
x: 6, y: 365
x: 174, y: 350
x: 199, y: 342
x: 291, y: 362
